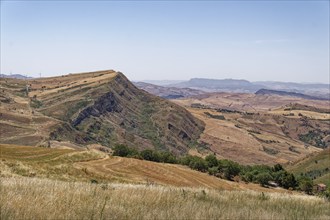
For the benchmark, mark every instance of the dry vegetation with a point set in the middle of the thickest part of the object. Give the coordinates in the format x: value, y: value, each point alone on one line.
x: 97, y: 186
x: 73, y: 165
x: 32, y: 198
x: 23, y: 116
x: 260, y: 129
x: 101, y: 107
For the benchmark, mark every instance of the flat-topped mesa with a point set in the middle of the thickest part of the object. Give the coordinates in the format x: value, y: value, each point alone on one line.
x: 104, y: 107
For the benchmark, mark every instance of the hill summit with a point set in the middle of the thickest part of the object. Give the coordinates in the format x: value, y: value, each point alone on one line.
x: 101, y: 107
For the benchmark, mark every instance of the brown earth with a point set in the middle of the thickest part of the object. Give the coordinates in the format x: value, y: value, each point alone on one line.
x: 84, y: 165
x: 92, y: 108
x: 261, y: 129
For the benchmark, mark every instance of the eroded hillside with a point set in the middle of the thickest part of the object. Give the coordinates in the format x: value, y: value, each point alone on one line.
x: 262, y: 129
x: 92, y: 108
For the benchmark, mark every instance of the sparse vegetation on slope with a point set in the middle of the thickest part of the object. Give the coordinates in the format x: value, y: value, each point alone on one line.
x: 101, y: 107
x: 315, y: 166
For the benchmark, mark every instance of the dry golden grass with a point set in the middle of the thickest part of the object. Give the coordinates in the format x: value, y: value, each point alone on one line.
x: 45, y: 162
x: 32, y: 198
x: 249, y: 102
x: 71, y: 81
x: 131, y: 170
x: 309, y: 114
x: 73, y: 165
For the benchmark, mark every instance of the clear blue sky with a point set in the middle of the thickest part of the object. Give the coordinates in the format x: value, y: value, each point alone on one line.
x: 253, y: 40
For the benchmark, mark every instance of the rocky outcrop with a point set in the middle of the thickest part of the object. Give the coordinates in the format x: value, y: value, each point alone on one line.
x: 122, y: 113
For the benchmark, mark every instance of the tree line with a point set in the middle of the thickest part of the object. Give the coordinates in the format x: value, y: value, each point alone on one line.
x: 226, y: 169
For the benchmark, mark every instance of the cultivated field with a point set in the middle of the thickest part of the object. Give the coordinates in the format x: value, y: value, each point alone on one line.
x: 33, y: 198
x: 90, y: 165
x: 260, y: 129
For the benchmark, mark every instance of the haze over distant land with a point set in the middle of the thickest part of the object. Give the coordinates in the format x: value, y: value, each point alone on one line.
x: 255, y: 40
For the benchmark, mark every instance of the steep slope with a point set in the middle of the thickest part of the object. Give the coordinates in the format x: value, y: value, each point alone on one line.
x: 98, y: 107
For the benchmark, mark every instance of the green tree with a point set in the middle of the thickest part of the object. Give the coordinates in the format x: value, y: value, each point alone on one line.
x: 121, y: 150
x: 288, y: 180
x: 211, y: 160
x: 150, y: 155
x: 167, y: 157
x: 198, y: 163
x: 229, y: 168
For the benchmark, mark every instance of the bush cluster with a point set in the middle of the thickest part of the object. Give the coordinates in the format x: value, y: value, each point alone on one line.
x: 225, y: 169
x: 151, y: 155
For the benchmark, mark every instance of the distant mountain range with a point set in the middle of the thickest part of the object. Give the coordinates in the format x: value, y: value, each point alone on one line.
x: 243, y: 86
x: 283, y: 93
x: 214, y: 85
x: 168, y: 92
x: 15, y: 76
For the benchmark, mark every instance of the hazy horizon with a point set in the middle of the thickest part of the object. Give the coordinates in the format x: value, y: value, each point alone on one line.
x: 284, y: 41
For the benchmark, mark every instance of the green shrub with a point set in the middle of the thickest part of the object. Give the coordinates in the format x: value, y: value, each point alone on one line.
x: 167, y: 157
x: 264, y: 178
x: 124, y: 151
x: 150, y: 155
x: 305, y: 184
x: 213, y: 170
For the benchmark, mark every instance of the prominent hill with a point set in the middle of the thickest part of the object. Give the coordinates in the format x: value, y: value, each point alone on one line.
x: 92, y: 108
x: 168, y: 92
x: 284, y: 93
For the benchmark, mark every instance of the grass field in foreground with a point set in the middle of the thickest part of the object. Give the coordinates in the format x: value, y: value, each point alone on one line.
x: 33, y: 198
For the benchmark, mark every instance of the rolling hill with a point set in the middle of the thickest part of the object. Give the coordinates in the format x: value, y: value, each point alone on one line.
x: 102, y: 108
x: 316, y: 166
x: 262, y: 129
x: 284, y: 93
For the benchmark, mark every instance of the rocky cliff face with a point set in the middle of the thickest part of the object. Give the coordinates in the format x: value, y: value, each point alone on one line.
x: 117, y: 112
